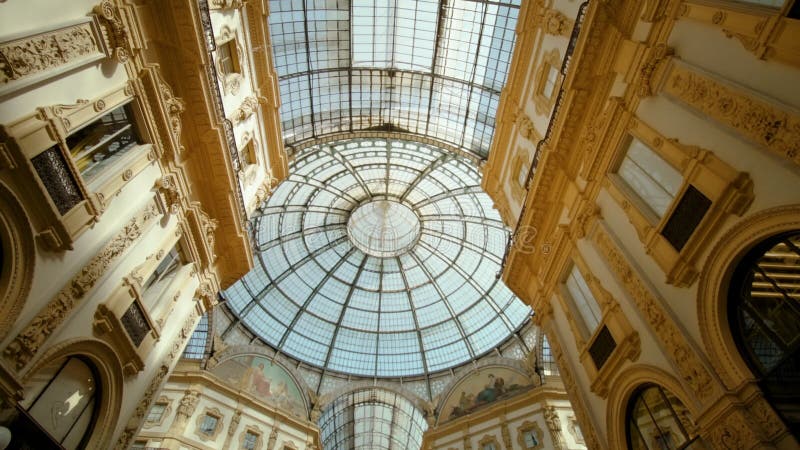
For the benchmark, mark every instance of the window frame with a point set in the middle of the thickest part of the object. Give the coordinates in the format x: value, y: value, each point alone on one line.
x: 530, y: 427
x: 200, y: 421
x: 726, y: 190
x: 551, y: 62
x: 43, y: 136
x: 229, y: 40
x: 613, y: 324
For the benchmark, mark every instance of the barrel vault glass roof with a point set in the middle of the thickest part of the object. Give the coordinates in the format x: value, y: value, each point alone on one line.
x: 417, y: 296
x: 427, y: 67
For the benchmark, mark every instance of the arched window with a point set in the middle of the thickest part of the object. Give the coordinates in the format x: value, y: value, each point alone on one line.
x: 657, y: 420
x: 63, y: 400
x: 764, y: 315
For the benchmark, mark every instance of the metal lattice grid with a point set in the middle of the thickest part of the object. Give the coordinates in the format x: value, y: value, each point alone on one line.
x: 432, y: 68
x: 435, y: 304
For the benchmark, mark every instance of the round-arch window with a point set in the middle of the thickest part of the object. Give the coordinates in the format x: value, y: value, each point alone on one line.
x: 764, y: 314
x: 63, y: 399
x: 657, y: 420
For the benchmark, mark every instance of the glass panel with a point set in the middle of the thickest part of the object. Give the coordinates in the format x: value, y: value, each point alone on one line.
x: 585, y: 302
x: 650, y: 177
x: 103, y: 141
x: 366, y: 65
x: 378, y: 275
x: 60, y: 407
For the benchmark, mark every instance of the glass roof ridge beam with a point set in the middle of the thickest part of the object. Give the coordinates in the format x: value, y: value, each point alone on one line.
x: 440, y: 27
x: 490, y: 299
x: 302, y: 208
x: 417, y: 327
x: 273, y: 282
x: 294, y: 235
x: 312, y: 296
x: 447, y: 305
x: 308, y: 64
x: 443, y: 159
x: 343, y: 161
x: 344, y: 309
x: 474, y: 189
x: 465, y: 243
x: 471, y: 219
x: 327, y: 187
x: 472, y: 76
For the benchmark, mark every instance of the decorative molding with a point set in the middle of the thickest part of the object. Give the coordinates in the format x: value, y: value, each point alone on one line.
x: 33, y: 58
x: 553, y: 425
x: 231, y: 82
x: 167, y: 410
x: 27, y: 343
x: 542, y: 103
x: 141, y: 408
x: 689, y: 365
x: 19, y: 258
x: 134, y: 423
x: 116, y: 34
x: 226, y: 4
x: 248, y: 107
x: 550, y: 20
x: 764, y: 122
x: 528, y: 426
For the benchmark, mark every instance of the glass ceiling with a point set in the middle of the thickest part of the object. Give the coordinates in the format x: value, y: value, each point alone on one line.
x: 379, y: 258
x: 427, y: 67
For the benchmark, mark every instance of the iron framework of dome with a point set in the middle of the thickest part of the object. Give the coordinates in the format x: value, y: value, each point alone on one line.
x: 431, y: 68
x: 379, y: 258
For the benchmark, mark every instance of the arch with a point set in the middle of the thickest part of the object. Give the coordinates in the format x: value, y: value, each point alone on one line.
x: 326, y: 399
x: 17, y: 259
x: 238, y: 351
x: 109, y: 371
x: 627, y: 384
x: 463, y: 384
x: 712, y: 292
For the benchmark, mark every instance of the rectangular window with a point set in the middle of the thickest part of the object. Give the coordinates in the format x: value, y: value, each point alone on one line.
x: 650, y: 177
x: 166, y: 270
x: 602, y: 347
x: 583, y: 298
x: 250, y: 440
x: 156, y: 412
x: 228, y: 58
x: 489, y: 446
x: 550, y: 82
x: 247, y: 155
x: 522, y: 174
x: 688, y: 214
x: 530, y: 439
x: 209, y: 425
x: 103, y: 141
x: 139, y: 445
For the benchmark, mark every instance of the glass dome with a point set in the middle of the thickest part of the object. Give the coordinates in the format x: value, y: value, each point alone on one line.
x: 379, y: 258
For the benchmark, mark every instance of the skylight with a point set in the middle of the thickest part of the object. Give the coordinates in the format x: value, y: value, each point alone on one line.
x: 430, y: 68
x: 379, y: 258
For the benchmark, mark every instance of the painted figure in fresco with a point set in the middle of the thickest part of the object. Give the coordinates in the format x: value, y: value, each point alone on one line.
x: 256, y: 382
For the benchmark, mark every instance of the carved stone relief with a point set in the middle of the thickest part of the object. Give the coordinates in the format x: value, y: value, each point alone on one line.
x: 48, y: 53
x: 22, y: 349
x: 762, y: 122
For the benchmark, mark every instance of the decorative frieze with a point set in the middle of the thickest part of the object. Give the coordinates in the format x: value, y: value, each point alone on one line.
x: 766, y: 123
x: 37, y: 57
x: 691, y: 369
x: 22, y: 349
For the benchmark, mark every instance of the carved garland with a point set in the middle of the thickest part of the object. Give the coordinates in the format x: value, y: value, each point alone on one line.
x: 689, y: 365
x: 22, y: 349
x: 46, y: 54
x: 761, y: 121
